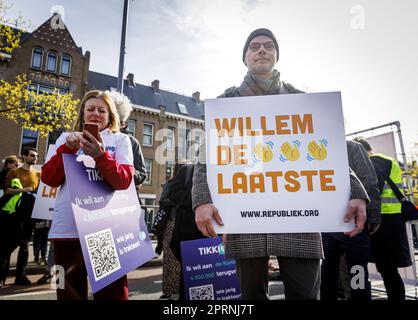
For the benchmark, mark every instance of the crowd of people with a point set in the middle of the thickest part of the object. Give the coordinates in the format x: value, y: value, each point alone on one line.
x: 310, y: 263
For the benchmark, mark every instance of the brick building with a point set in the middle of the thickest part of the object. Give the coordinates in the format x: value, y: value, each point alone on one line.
x: 168, y: 125
x: 51, y: 59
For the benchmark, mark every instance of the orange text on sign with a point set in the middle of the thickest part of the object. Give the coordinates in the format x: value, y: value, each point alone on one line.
x: 290, y: 181
x: 283, y: 124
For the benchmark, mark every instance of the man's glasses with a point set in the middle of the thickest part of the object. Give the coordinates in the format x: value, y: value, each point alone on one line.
x: 33, y: 156
x: 254, y: 46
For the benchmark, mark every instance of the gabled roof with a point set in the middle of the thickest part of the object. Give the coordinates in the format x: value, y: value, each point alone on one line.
x: 142, y: 95
x: 26, y: 35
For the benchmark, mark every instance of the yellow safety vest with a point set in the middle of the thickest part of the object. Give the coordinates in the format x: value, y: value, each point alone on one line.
x: 11, y: 205
x: 390, y: 203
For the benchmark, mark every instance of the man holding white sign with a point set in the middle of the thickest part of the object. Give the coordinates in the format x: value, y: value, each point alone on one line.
x: 299, y: 254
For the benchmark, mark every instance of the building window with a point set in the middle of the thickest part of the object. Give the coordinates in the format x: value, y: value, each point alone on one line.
x: 34, y: 89
x: 148, y: 168
x: 51, y: 64
x: 45, y: 89
x: 53, y: 136
x: 29, y: 138
x: 131, y: 127
x: 170, y: 139
x: 182, y: 108
x: 37, y: 55
x: 169, y: 170
x: 149, y: 213
x: 66, y: 65
x: 184, y: 145
x: 148, y: 134
x: 197, y: 140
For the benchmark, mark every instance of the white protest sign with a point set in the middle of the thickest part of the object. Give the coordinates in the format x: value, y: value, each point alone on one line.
x: 46, y: 196
x: 383, y: 143
x: 278, y: 164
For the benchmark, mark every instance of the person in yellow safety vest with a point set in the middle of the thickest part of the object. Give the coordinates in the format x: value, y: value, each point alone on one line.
x: 8, y: 221
x: 11, y: 204
x: 389, y: 247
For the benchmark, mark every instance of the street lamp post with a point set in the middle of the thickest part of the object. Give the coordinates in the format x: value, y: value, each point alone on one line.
x: 122, y: 45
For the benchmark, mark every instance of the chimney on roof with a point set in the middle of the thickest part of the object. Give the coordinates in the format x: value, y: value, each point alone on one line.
x: 155, y: 85
x: 196, y: 96
x: 162, y: 109
x: 130, y: 78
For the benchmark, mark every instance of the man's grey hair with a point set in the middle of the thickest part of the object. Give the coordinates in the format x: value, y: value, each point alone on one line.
x: 123, y: 104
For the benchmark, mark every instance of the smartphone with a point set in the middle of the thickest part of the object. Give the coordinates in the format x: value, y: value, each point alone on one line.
x: 93, y: 128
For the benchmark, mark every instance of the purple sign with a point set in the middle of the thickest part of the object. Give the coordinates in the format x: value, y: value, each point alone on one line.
x: 110, y: 224
x: 207, y: 274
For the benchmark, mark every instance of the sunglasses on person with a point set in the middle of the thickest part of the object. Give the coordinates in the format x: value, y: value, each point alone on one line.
x: 254, y: 46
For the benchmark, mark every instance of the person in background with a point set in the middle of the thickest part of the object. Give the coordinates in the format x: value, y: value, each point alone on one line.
x: 355, y: 249
x: 170, y: 200
x: 40, y: 241
x: 389, y: 245
x: 124, y: 108
x: 112, y: 153
x: 50, y: 262
x: 22, y: 182
x: 9, y: 163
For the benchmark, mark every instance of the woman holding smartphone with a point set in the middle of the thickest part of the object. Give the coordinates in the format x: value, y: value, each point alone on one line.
x: 112, y: 153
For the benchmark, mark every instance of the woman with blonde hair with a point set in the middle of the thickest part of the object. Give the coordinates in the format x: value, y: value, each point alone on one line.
x: 112, y: 153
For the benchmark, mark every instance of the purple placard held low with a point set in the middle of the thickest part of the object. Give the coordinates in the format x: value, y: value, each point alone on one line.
x: 110, y: 224
x: 207, y: 274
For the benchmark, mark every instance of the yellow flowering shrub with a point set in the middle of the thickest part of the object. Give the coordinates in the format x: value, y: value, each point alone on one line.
x: 36, y: 111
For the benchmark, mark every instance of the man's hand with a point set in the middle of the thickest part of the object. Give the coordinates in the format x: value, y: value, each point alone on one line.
x: 204, y: 215
x: 357, y: 209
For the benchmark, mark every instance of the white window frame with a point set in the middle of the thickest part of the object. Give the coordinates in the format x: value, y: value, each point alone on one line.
x: 147, y: 134
x: 21, y: 140
x: 42, y: 58
x: 148, y: 179
x: 69, y: 69
x: 128, y: 129
x: 182, y: 108
x: 47, y: 62
x: 169, y: 165
x: 170, y: 138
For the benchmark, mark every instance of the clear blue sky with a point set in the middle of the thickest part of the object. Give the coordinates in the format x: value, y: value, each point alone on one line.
x: 366, y: 49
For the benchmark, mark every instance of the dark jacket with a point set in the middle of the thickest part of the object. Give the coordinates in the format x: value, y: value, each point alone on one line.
x: 360, y: 163
x: 170, y: 200
x: 3, y: 174
x: 139, y: 163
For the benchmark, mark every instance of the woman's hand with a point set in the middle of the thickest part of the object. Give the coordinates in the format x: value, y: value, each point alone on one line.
x: 73, y: 140
x: 91, y: 146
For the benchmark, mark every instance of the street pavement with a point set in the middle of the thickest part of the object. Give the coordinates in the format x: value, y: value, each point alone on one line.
x: 145, y: 283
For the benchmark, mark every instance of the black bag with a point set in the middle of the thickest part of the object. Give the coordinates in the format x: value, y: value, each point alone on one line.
x: 408, y: 209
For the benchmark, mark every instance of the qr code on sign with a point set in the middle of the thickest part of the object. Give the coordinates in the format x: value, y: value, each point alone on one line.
x: 102, y: 252
x: 201, y: 293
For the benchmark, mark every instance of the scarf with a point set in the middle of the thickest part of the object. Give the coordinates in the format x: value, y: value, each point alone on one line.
x: 255, y: 86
